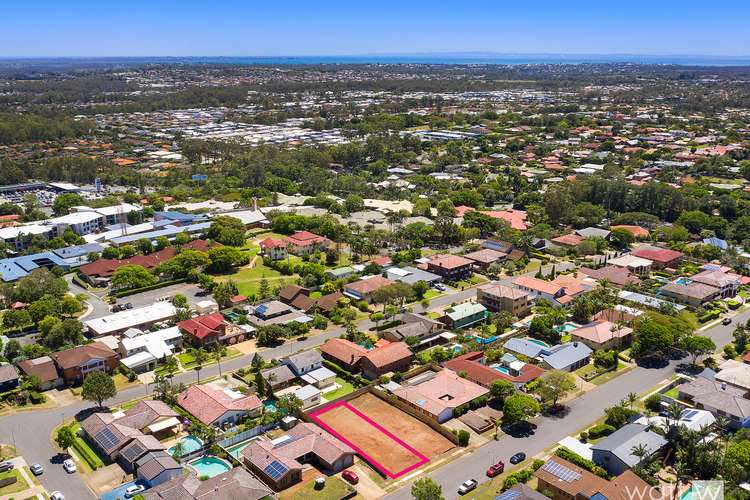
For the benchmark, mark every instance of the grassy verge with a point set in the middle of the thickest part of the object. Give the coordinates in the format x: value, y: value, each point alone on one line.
x: 18, y: 486
x: 84, y: 451
x: 187, y: 360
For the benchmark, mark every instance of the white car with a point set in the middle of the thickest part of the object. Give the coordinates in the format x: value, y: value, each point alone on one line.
x: 69, y: 466
x: 133, y: 490
x: 439, y: 287
x: 467, y: 486
x: 56, y: 495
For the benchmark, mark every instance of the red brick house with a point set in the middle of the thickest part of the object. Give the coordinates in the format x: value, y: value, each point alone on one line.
x: 450, y: 267
x: 211, y: 328
x: 74, y: 364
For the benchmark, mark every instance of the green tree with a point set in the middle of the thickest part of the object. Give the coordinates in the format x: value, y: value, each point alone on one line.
x: 697, y: 345
x: 426, y: 489
x: 200, y: 356
x: 501, y: 389
x: 555, y: 385
x: 180, y: 301
x: 519, y: 408
x: 65, y: 201
x: 65, y: 438
x: 132, y: 276
x: 98, y: 386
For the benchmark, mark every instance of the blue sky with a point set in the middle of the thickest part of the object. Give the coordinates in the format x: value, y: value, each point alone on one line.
x: 320, y: 27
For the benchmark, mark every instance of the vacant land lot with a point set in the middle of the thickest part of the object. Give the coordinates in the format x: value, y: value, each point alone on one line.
x: 389, y: 439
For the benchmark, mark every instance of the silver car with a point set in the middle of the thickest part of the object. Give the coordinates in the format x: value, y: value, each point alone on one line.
x: 467, y: 486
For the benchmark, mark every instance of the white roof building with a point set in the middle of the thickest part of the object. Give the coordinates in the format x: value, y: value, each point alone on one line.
x: 131, y: 318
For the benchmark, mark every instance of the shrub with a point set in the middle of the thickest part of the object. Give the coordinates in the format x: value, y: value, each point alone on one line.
x: 463, y: 438
x: 653, y: 402
x: 581, y: 462
x: 600, y: 430
x: 584, y: 436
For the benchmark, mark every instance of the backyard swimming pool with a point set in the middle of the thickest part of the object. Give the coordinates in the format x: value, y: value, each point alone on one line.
x: 500, y: 368
x: 683, y: 281
x: 270, y: 405
x: 210, y: 466
x: 190, y: 444
x: 566, y: 327
x: 236, y: 450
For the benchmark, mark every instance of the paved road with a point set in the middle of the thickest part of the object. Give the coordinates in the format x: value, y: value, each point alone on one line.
x: 30, y: 431
x: 582, y: 411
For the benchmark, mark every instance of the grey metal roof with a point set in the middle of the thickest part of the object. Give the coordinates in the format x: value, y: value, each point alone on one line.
x: 568, y: 354
x: 621, y: 442
x: 524, y: 346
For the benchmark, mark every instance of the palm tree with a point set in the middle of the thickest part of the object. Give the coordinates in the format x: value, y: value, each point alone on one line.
x: 178, y: 450
x: 218, y: 352
x: 632, y: 398
x: 171, y: 366
x: 681, y: 473
x: 199, y: 357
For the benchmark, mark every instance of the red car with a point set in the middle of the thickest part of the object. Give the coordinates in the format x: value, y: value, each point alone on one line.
x: 496, y: 469
x: 350, y: 476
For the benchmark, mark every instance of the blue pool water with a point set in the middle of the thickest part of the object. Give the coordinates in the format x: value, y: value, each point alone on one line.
x: 480, y: 340
x: 236, y: 450
x: 270, y: 405
x: 683, y: 281
x: 210, y: 466
x: 538, y: 342
x: 566, y: 327
x: 190, y: 444
x: 501, y: 369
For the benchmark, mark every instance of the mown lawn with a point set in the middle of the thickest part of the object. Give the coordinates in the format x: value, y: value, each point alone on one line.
x: 248, y: 279
x: 19, y: 485
x: 345, y: 389
x: 84, y: 451
x: 334, y: 489
x: 187, y: 360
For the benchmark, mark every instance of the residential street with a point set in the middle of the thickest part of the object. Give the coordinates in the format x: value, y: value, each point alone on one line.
x: 30, y: 431
x: 582, y: 411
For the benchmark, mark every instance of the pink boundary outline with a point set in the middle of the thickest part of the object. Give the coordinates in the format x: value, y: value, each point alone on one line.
x: 422, y: 458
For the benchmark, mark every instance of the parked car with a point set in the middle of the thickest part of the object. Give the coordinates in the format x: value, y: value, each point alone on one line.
x: 518, y: 458
x: 129, y: 305
x: 37, y: 469
x: 133, y: 490
x: 56, y: 495
x: 467, y: 486
x: 496, y: 469
x: 69, y: 466
x: 726, y: 321
x: 439, y: 286
x: 6, y: 466
x: 350, y: 476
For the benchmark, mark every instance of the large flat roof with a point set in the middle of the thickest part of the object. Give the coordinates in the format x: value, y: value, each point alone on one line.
x: 131, y: 318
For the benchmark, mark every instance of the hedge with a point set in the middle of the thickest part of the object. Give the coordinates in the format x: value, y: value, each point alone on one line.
x: 600, y: 430
x: 581, y: 462
x: 155, y: 286
x: 356, y: 380
x: 87, y: 454
x: 712, y: 314
x: 522, y: 476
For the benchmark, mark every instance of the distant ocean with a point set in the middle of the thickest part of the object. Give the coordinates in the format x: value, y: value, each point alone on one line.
x: 436, y: 58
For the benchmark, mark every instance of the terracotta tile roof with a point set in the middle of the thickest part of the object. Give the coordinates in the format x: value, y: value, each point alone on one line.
x: 76, y: 356
x: 202, y: 326
x: 445, y: 390
x: 208, y: 404
x: 637, y: 231
x: 485, y: 256
x: 661, y: 255
x: 618, y: 275
x: 105, y: 268
x: 43, y: 367
x: 537, y: 284
x: 447, y: 261
x: 272, y: 243
x: 304, y: 238
x: 390, y: 353
x: 369, y: 285
x: 570, y: 240
x: 484, y: 375
x: 601, y: 332
x: 290, y: 292
x: 328, y: 303
x: 503, y: 291
x: 343, y: 350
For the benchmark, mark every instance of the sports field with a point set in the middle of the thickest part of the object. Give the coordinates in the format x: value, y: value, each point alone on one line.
x: 390, y: 440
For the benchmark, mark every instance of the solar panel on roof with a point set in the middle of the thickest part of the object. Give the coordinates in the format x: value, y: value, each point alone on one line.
x: 275, y: 469
x: 106, y: 438
x: 508, y: 495
x: 560, y: 471
x: 132, y: 452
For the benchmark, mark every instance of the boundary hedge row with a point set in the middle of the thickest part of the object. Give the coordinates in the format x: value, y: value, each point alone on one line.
x: 155, y: 286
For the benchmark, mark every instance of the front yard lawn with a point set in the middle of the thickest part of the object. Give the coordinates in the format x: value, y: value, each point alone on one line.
x: 84, y: 451
x: 187, y: 360
x: 248, y: 279
x: 19, y: 485
x: 673, y: 393
x: 591, y: 369
x: 345, y: 389
x: 334, y: 489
